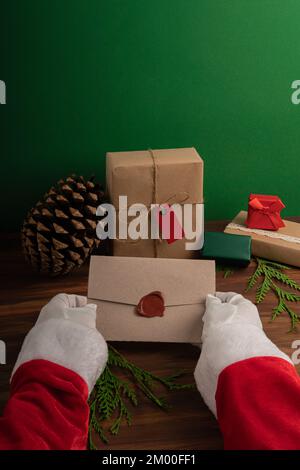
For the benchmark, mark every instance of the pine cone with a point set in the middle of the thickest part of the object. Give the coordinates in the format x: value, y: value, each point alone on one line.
x: 59, y: 233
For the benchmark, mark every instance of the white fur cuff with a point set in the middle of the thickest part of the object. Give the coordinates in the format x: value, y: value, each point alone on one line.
x: 225, y: 345
x: 69, y: 344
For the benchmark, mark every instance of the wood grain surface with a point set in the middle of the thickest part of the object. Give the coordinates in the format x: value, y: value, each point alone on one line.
x: 188, y: 424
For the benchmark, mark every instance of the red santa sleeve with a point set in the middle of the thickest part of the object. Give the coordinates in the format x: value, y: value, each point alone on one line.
x: 258, y: 404
x: 58, y: 365
x: 47, y: 409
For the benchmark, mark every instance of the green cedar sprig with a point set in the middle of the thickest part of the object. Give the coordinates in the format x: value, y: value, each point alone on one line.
x: 268, y: 273
x: 227, y: 271
x: 112, y: 394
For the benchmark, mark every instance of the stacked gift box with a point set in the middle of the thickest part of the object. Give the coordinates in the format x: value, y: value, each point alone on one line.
x: 272, y: 238
x: 156, y: 177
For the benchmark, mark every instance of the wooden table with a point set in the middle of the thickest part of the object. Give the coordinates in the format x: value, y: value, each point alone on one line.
x: 189, y: 424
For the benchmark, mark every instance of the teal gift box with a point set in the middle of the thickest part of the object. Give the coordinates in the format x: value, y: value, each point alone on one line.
x: 227, y: 248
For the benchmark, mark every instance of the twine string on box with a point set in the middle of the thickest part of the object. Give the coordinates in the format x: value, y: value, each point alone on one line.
x: 176, y: 198
x: 154, y: 194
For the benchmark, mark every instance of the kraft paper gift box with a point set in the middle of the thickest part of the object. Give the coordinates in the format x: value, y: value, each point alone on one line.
x: 148, y: 177
x: 183, y: 284
x: 282, y: 245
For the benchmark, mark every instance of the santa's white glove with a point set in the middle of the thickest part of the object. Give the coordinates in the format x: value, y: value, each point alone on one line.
x: 232, y: 332
x: 65, y: 333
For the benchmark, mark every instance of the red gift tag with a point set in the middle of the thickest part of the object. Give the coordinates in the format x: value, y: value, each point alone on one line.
x: 169, y: 225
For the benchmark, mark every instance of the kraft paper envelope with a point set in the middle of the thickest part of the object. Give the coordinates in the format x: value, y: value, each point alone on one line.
x: 116, y: 285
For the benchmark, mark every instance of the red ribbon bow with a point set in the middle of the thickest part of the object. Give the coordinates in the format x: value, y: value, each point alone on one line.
x: 275, y: 206
x: 271, y: 210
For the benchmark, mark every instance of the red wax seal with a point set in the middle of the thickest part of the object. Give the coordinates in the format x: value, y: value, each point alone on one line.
x: 151, y: 305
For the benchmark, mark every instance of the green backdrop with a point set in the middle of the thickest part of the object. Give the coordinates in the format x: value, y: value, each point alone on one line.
x: 87, y: 76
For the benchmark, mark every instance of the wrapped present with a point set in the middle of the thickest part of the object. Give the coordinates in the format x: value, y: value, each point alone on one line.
x: 282, y: 245
x: 226, y: 248
x: 161, y: 178
x: 150, y: 299
x: 264, y: 212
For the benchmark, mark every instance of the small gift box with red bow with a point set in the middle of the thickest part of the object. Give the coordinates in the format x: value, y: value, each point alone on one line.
x: 264, y: 212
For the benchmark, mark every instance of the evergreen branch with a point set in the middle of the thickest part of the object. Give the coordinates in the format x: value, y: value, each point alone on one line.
x: 144, y: 376
x: 129, y: 392
x: 283, y: 278
x: 293, y: 316
x: 108, y: 402
x: 94, y: 425
x: 263, y: 289
x: 255, y: 276
x: 267, y: 262
x: 278, y: 309
x: 227, y: 271
x: 271, y: 273
x: 289, y: 296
